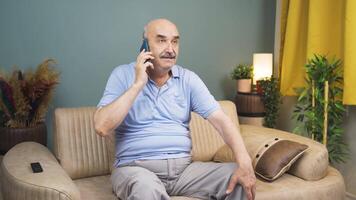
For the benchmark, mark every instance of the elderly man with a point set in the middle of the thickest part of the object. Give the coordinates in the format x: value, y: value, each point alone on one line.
x: 147, y: 105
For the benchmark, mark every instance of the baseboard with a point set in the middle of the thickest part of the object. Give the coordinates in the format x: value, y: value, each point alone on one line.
x: 350, y: 196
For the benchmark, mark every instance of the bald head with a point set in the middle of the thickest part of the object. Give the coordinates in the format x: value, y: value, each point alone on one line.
x: 154, y: 25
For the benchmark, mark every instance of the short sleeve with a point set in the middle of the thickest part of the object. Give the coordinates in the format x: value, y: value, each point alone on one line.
x: 115, y: 86
x: 202, y: 102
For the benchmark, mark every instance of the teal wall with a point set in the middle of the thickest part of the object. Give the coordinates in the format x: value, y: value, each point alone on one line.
x: 89, y: 38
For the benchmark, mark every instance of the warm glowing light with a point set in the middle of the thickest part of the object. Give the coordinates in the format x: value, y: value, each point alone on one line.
x: 262, y: 66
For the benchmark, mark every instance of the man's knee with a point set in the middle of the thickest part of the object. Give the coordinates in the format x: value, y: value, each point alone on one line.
x: 238, y: 193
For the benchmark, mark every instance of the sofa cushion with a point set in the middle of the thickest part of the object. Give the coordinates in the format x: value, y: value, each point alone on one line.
x: 311, y: 166
x: 110, y: 148
x: 81, y: 152
x: 99, y: 188
x: 205, y: 139
x: 331, y: 187
x: 275, y: 157
x: 95, y: 188
x: 272, y: 159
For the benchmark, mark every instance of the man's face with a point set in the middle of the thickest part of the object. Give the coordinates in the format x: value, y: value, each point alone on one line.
x: 163, y: 39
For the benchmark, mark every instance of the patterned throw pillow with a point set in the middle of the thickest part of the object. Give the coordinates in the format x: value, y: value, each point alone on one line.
x: 271, y: 160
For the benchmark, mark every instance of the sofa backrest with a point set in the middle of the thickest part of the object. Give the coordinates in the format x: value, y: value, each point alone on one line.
x: 205, y: 139
x: 82, y: 153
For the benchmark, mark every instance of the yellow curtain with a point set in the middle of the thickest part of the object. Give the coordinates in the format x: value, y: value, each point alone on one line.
x: 317, y: 27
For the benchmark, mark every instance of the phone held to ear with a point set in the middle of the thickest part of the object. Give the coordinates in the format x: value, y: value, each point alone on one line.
x: 144, y: 45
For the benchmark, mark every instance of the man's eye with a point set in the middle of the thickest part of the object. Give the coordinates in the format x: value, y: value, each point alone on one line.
x: 162, y: 40
x: 175, y: 41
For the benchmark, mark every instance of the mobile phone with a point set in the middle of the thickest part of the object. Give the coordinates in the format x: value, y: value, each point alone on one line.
x: 36, y: 167
x: 145, y: 45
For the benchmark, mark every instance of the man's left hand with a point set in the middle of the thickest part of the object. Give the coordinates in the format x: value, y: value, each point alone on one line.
x: 245, y: 176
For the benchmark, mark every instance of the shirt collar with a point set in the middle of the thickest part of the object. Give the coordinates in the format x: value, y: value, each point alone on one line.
x: 175, y: 72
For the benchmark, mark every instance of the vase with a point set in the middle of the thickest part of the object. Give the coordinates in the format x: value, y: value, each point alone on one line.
x: 9, y: 137
x: 243, y: 85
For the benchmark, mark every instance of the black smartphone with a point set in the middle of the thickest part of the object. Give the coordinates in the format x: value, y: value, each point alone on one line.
x: 145, y: 45
x: 36, y: 167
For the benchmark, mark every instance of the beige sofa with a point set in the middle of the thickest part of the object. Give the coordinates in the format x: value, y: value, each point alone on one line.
x: 80, y: 166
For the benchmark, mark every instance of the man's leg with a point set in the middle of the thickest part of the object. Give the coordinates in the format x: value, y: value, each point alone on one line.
x: 133, y: 182
x: 208, y: 180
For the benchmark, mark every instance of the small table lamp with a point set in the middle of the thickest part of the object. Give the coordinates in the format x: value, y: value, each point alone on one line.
x: 250, y: 107
x: 262, y: 67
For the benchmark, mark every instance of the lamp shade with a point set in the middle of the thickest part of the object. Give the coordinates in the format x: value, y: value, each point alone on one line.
x: 262, y: 66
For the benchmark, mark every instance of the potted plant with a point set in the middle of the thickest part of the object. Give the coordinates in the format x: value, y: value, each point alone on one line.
x: 271, y: 98
x: 242, y: 73
x: 319, y: 110
x: 24, y: 101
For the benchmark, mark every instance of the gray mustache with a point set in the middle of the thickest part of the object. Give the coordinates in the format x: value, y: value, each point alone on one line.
x: 171, y: 57
x: 168, y: 55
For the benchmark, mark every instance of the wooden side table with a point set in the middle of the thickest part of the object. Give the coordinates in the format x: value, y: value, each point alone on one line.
x: 250, y: 108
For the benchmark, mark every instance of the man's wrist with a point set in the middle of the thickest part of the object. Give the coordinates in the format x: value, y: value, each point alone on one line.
x: 243, y: 159
x: 138, y: 86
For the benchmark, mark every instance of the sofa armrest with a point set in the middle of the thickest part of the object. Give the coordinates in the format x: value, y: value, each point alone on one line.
x: 19, y: 182
x: 311, y: 166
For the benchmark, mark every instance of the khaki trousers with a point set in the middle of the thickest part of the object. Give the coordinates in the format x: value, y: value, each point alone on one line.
x: 159, y: 179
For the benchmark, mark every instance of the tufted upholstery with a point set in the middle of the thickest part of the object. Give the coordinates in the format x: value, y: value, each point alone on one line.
x: 18, y: 181
x: 81, y: 152
x: 86, y: 158
x: 205, y: 139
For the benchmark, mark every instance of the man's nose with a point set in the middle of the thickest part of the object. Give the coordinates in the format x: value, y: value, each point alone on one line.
x: 169, y: 47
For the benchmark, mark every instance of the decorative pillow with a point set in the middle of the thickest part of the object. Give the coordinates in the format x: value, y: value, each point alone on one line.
x: 271, y: 160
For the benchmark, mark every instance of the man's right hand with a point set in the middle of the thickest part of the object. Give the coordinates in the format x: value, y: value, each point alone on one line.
x: 141, y: 77
x: 111, y: 116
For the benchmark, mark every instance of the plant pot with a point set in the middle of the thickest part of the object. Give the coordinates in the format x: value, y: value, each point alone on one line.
x: 9, y: 137
x: 243, y: 85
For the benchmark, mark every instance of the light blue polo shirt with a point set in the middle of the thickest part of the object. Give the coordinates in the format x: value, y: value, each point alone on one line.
x: 157, y: 125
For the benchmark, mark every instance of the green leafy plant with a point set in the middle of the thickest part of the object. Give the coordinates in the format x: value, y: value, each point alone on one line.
x: 242, y: 71
x: 25, y: 97
x: 319, y: 111
x: 271, y: 98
